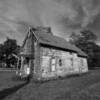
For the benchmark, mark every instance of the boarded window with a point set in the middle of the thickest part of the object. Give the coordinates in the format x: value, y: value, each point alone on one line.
x: 72, y: 61
x: 82, y: 63
x: 53, y: 64
x: 45, y: 63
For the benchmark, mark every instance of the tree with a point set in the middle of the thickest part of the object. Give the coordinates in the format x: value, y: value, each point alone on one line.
x: 86, y: 41
x: 96, y: 59
x: 9, y: 48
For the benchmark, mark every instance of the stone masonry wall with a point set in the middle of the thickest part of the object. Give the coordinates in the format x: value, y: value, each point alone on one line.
x: 56, y: 63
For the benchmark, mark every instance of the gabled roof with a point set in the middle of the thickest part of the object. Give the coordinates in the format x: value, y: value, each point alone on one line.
x: 27, y: 47
x: 51, y: 40
x: 47, y: 39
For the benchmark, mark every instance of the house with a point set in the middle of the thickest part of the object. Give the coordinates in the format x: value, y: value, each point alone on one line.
x: 45, y: 56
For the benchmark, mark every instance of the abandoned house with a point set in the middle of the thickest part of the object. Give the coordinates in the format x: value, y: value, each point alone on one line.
x: 44, y: 55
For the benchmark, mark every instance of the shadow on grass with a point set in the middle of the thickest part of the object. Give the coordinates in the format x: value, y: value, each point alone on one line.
x: 4, y: 93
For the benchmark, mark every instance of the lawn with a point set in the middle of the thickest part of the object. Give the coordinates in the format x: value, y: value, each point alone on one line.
x: 8, y: 83
x: 83, y: 87
x: 7, y: 80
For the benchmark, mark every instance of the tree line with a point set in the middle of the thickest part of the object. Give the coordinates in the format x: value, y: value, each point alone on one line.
x: 9, y: 50
x: 86, y: 41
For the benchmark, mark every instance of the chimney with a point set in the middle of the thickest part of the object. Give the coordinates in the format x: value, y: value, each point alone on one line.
x: 45, y: 29
x: 48, y: 29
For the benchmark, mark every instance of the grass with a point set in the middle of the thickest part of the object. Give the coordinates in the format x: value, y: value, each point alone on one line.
x: 9, y: 83
x: 83, y: 87
x: 7, y: 80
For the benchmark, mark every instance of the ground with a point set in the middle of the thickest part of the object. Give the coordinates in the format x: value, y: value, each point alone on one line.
x: 82, y: 87
x: 8, y: 83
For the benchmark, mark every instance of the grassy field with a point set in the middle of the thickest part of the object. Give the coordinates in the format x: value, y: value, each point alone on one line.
x: 83, y: 87
x: 7, y: 80
x: 9, y: 83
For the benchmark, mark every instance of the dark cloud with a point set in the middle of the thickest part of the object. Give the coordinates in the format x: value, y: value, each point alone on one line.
x: 86, y: 11
x: 84, y: 14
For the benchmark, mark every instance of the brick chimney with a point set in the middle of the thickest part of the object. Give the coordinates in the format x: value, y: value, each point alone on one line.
x: 45, y: 29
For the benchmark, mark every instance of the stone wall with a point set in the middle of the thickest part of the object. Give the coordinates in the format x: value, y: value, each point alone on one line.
x: 56, y: 63
x: 83, y: 64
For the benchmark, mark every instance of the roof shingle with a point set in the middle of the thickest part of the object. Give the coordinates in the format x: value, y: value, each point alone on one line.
x: 51, y: 40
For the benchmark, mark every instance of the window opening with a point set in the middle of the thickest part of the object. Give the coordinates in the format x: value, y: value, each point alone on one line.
x: 60, y: 62
x: 53, y: 64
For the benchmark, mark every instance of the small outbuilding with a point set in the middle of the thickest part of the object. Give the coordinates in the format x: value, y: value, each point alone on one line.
x: 45, y: 56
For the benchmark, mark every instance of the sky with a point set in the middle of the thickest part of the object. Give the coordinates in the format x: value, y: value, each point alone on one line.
x: 63, y: 16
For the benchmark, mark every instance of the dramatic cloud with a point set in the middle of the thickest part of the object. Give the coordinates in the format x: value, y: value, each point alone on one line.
x: 64, y: 16
x: 83, y: 13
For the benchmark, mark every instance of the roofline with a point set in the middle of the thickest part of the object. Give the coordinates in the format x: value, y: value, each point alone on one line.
x: 64, y: 49
x: 29, y: 30
x: 34, y: 34
x: 83, y: 56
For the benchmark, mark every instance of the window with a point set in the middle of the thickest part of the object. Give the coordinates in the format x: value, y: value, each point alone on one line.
x: 45, y: 63
x: 72, y: 61
x: 53, y: 64
x: 60, y: 62
x: 82, y: 62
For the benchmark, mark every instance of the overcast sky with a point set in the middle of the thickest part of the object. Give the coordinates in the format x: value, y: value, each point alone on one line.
x: 64, y: 16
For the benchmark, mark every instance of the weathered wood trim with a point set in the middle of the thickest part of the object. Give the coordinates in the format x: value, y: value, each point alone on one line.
x: 34, y: 35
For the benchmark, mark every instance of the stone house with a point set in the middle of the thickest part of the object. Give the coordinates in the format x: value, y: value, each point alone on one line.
x: 44, y: 55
